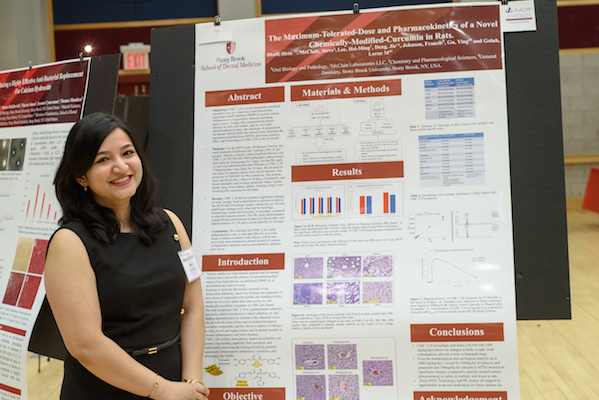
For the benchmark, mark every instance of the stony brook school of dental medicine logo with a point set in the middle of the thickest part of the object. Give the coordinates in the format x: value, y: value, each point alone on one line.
x: 224, y: 62
x: 231, y: 47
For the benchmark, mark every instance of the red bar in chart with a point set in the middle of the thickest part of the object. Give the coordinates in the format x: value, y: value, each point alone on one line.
x: 43, y: 202
x: 320, y: 206
x: 386, y: 202
x: 45, y: 207
x: 37, y: 193
x: 365, y: 204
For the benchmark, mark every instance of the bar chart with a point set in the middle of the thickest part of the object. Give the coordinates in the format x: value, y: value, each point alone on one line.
x: 375, y: 200
x: 41, y: 204
x: 327, y: 201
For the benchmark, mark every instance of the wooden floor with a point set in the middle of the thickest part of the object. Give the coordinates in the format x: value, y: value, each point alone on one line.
x: 559, y: 360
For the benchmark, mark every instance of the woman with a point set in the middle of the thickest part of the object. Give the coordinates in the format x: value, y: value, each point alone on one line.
x: 132, y: 324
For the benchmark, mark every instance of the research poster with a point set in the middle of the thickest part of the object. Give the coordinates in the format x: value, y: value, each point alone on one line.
x: 38, y: 106
x: 352, y: 210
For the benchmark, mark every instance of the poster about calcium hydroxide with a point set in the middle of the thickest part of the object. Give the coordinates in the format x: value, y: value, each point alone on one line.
x: 38, y: 106
x: 352, y: 173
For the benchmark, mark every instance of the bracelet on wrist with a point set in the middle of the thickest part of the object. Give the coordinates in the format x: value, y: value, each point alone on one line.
x: 156, y: 384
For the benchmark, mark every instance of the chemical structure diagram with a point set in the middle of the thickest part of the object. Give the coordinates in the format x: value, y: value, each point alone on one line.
x: 258, y: 369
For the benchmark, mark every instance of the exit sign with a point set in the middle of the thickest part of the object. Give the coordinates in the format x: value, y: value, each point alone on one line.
x: 136, y: 56
x: 136, y: 61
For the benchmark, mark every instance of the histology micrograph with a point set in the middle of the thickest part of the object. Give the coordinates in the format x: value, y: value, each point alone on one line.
x: 309, y: 356
x: 308, y: 267
x: 378, y: 266
x: 381, y: 292
x: 378, y: 372
x: 311, y: 387
x: 343, y: 292
x: 307, y: 293
x: 344, y: 267
x: 344, y: 387
x: 342, y: 356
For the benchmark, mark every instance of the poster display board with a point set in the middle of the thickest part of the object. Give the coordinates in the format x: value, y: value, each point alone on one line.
x: 355, y: 234
x: 38, y: 106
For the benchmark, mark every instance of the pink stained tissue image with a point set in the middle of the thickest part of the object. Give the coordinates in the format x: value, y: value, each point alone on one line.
x: 344, y: 387
x: 311, y: 387
x: 378, y: 372
x: 380, y: 292
x: 343, y: 292
x: 308, y: 267
x: 307, y: 293
x: 309, y: 356
x: 342, y: 356
x: 378, y: 266
x: 344, y: 267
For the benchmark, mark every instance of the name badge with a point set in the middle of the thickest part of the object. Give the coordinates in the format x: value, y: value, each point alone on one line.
x: 190, y: 265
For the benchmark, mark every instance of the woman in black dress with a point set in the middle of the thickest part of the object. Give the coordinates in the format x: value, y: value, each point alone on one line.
x: 132, y: 323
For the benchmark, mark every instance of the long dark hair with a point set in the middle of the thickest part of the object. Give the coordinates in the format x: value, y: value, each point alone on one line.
x: 81, y: 148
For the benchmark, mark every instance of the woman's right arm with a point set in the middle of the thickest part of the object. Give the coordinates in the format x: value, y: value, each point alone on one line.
x: 71, y: 290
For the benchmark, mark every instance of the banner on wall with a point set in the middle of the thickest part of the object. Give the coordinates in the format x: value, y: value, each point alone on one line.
x: 352, y: 177
x: 38, y: 106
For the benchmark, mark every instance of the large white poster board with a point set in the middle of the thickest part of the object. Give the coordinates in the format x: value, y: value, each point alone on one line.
x: 352, y: 206
x: 38, y: 106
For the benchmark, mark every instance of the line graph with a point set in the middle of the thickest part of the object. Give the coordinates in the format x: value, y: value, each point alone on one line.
x: 442, y: 261
x: 429, y: 227
x: 469, y: 225
x: 455, y: 268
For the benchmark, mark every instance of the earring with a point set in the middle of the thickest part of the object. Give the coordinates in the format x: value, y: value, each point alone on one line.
x: 85, y: 188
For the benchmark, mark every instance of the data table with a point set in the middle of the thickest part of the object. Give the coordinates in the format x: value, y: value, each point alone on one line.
x: 455, y: 159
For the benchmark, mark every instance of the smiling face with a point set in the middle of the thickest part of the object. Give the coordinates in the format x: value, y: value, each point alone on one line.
x: 116, y: 171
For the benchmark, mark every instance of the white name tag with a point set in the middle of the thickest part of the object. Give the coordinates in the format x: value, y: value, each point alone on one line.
x: 190, y: 265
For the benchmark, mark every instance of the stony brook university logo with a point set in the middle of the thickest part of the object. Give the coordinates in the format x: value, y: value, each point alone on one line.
x: 231, y: 47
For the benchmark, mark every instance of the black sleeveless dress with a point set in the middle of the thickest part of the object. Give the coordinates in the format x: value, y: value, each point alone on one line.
x: 141, y: 292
